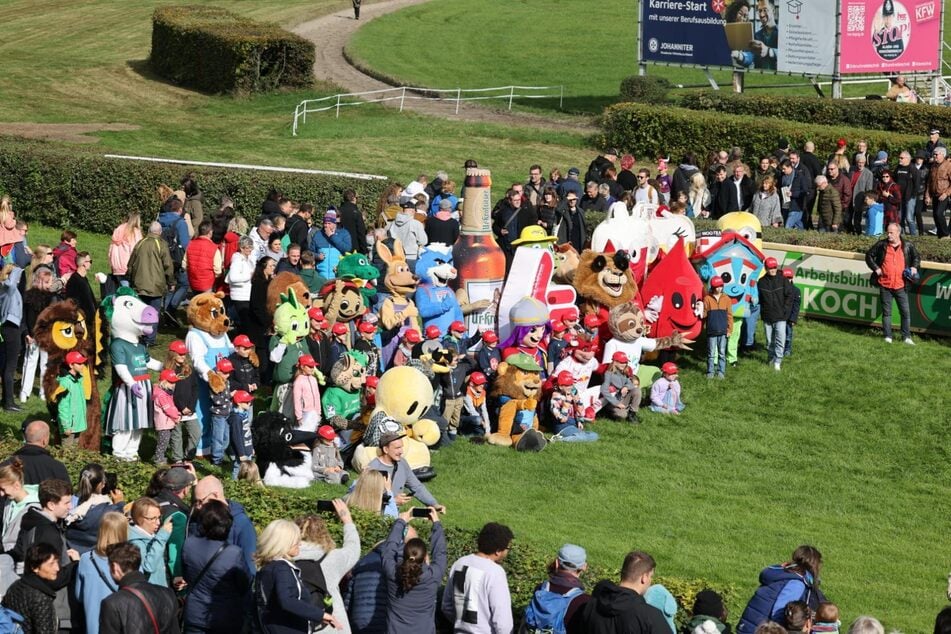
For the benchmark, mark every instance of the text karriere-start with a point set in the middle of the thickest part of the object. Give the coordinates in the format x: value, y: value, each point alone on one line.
x: 677, y: 5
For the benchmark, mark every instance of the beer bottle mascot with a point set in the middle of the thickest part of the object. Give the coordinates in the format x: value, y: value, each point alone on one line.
x: 129, y: 407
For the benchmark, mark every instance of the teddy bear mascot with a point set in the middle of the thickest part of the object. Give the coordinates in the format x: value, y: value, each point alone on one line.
x: 282, y: 452
x: 397, y: 312
x: 603, y: 281
x: 129, y: 403
x: 62, y: 328
x: 207, y: 342
x: 403, y: 394
x: 628, y: 326
x: 517, y: 388
x: 287, y: 345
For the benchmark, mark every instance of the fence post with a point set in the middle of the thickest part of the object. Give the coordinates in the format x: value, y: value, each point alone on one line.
x: 402, y: 98
x: 303, y: 111
x: 458, y: 97
x: 561, y: 99
x: 294, y: 127
x: 511, y: 95
x: 338, y: 107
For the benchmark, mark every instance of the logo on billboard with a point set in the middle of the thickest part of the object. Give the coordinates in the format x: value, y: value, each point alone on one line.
x: 653, y: 45
x: 891, y: 30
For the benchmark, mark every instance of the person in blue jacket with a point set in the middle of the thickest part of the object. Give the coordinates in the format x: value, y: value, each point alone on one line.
x: 795, y: 580
x: 330, y: 244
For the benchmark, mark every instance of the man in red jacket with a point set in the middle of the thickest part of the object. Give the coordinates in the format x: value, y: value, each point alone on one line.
x: 202, y: 260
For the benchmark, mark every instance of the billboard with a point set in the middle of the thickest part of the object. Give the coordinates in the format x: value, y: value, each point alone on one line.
x: 837, y: 285
x: 788, y: 36
x: 882, y: 36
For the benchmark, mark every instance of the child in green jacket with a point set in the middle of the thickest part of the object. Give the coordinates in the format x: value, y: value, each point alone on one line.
x: 71, y: 409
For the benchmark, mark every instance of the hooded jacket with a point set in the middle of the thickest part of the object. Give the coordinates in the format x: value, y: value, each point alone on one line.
x: 120, y: 249
x: 616, y: 610
x: 779, y: 586
x: 411, y: 234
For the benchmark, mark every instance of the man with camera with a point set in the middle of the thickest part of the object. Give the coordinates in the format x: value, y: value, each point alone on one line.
x: 401, y: 474
x: 894, y: 265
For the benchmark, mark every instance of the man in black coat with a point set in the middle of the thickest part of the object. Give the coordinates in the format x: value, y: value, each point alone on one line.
x: 621, y: 608
x: 776, y: 300
x: 737, y: 191
x: 298, y: 226
x: 138, y: 606
x: 79, y: 290
x: 38, y: 464
x: 351, y: 218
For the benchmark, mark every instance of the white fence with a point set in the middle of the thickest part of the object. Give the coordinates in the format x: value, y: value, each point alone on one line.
x: 406, y: 93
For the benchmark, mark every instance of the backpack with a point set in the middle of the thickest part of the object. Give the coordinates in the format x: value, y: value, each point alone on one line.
x: 312, y: 578
x: 170, y: 235
x: 546, y: 613
x: 10, y: 622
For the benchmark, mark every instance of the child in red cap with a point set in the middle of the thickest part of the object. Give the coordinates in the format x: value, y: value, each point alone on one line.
x: 246, y: 375
x: 567, y: 411
x: 621, y: 390
x: 220, y: 409
x: 489, y: 355
x: 665, y: 393
x: 306, y: 394
x: 475, y: 416
x: 366, y: 343
x: 404, y: 351
x: 556, y: 345
x: 187, y: 432
x: 167, y: 415
x: 71, y: 409
x: 242, y: 447
x: 327, y: 463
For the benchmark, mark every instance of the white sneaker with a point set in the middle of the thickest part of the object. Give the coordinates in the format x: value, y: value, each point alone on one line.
x: 777, y: 366
x: 888, y: 339
x: 909, y: 341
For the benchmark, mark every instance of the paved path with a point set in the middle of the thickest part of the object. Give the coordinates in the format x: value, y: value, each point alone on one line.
x: 330, y: 35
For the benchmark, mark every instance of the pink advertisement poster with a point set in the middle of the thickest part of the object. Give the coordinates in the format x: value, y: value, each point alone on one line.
x: 881, y: 36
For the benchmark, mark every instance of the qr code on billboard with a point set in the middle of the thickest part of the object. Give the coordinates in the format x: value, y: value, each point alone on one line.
x: 856, y: 18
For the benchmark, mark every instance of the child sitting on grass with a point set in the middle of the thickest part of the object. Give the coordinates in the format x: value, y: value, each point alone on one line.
x: 567, y: 411
x: 327, y: 463
x: 665, y: 393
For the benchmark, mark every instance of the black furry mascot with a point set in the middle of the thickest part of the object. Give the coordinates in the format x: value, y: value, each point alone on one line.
x: 282, y: 451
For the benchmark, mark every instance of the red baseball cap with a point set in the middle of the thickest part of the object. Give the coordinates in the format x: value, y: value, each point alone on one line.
x: 178, y: 347
x: 489, y: 336
x: 307, y: 361
x: 372, y: 381
x: 558, y: 326
x: 669, y: 368
x: 772, y: 263
x: 591, y: 321
x: 432, y: 332
x: 716, y: 282
x: 477, y: 378
x: 326, y: 432
x: 316, y: 313
x: 325, y: 325
x: 242, y: 396
x: 339, y: 329
x: 620, y: 357
x: 788, y: 273
x: 243, y: 341
x: 75, y: 357
x: 168, y: 375
x: 412, y: 335
x: 571, y: 313
x: 457, y: 326
x: 565, y: 378
x: 366, y: 327
x: 224, y: 365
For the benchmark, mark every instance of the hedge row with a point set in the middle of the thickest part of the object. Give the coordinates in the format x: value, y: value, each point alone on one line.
x: 211, y: 49
x: 74, y: 187
x: 645, y: 89
x: 525, y: 565
x: 883, y: 115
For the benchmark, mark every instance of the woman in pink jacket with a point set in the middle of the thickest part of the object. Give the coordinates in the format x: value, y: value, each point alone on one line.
x: 306, y: 394
x: 124, y: 238
x: 166, y: 414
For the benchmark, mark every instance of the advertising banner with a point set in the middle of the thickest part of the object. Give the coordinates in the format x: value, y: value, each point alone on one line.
x: 789, y: 36
x: 837, y: 285
x: 881, y: 36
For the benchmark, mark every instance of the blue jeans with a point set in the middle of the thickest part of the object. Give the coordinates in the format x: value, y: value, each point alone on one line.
x: 775, y: 340
x: 900, y: 296
x: 716, y: 354
x: 570, y: 433
x: 749, y: 326
x: 220, y: 437
x: 156, y: 303
x: 787, y: 351
x: 794, y: 221
x: 173, y: 299
x: 911, y: 222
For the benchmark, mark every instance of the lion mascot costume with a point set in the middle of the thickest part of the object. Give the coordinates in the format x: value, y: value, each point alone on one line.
x: 517, y: 388
x: 207, y: 342
x: 603, y: 281
x: 129, y: 404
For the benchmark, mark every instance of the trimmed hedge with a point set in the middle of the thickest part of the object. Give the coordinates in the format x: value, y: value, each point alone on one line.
x: 525, y: 565
x: 211, y: 49
x: 645, y: 89
x: 73, y: 187
x: 883, y: 115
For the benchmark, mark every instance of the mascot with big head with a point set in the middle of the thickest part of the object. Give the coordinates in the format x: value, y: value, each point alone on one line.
x: 129, y: 404
x: 517, y: 388
x: 397, y: 312
x: 207, y: 342
x: 282, y: 451
x: 287, y: 345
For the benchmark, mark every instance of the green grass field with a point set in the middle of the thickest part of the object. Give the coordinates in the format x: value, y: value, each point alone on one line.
x: 845, y: 449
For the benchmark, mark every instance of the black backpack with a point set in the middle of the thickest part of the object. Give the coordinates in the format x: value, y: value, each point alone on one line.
x: 175, y: 248
x: 312, y: 576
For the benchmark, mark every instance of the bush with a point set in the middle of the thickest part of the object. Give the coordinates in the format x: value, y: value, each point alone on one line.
x: 211, y: 49
x: 525, y: 565
x: 874, y: 115
x: 645, y: 89
x: 74, y: 187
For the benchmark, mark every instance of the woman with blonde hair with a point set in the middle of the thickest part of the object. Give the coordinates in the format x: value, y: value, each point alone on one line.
x: 279, y: 594
x: 698, y: 197
x: 320, y: 558
x: 372, y: 493
x: 93, y: 580
x: 20, y: 499
x: 124, y: 239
